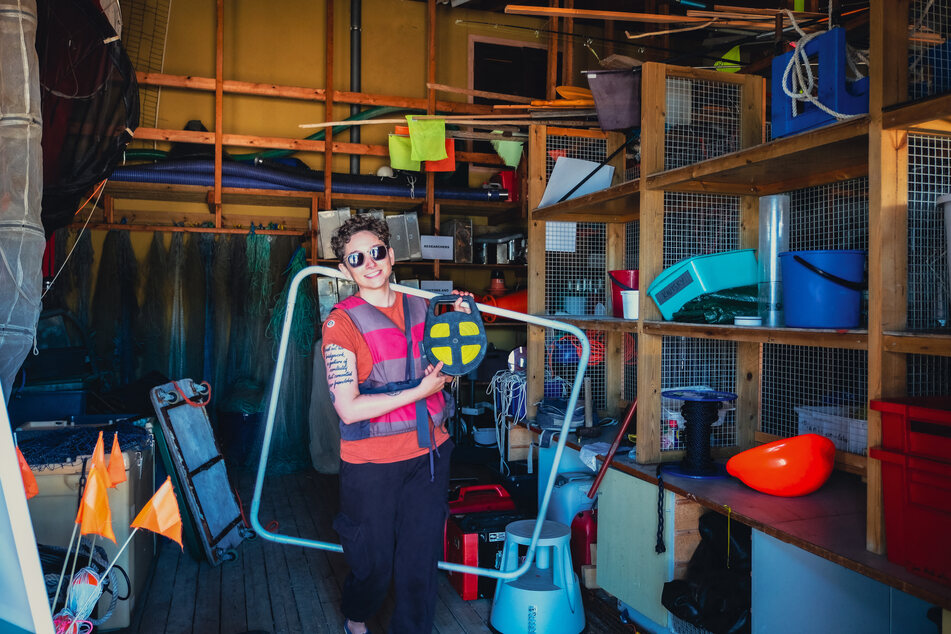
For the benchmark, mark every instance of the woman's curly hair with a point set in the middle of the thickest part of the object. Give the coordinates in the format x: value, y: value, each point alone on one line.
x: 356, y: 224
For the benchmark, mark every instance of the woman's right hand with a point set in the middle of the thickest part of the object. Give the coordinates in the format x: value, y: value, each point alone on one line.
x: 433, y: 380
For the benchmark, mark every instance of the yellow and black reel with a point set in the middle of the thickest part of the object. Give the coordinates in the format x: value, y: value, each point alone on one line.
x: 454, y: 337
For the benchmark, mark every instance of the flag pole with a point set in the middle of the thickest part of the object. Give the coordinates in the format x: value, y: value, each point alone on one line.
x: 69, y: 586
x: 119, y: 554
x: 103, y: 576
x: 92, y: 549
x: 65, y: 563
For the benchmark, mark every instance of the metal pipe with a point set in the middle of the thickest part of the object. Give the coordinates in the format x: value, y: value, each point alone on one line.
x: 502, y: 312
x: 356, y: 71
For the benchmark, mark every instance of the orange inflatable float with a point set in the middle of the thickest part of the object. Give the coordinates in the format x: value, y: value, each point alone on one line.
x: 793, y: 466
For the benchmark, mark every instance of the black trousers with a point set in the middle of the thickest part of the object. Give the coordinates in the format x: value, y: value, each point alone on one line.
x: 391, y: 525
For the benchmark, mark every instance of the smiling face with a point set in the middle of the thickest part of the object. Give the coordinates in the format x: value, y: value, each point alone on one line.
x: 370, y: 274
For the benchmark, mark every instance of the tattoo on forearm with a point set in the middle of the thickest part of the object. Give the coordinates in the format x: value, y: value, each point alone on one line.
x: 338, y: 372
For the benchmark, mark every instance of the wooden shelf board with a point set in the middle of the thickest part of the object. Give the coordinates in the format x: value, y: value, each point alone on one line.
x: 829, y: 523
x: 614, y: 204
x: 592, y: 322
x: 446, y: 207
x: 175, y: 229
x: 931, y: 343
x: 919, y: 115
x: 199, y: 194
x: 823, y: 338
x: 833, y: 153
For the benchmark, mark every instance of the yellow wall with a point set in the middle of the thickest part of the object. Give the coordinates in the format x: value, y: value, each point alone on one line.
x: 283, y: 43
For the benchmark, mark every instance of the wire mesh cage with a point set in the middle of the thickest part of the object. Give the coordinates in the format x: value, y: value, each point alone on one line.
x: 562, y: 352
x: 703, y: 120
x: 929, y: 50
x: 928, y: 375
x: 696, y: 224
x: 686, y: 363
x: 833, y: 216
x: 808, y: 389
x: 929, y: 176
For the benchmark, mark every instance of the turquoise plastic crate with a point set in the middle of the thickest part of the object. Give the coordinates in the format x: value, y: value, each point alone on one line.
x: 694, y: 276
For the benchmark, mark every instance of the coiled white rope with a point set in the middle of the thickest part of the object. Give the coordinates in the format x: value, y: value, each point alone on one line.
x: 803, y: 83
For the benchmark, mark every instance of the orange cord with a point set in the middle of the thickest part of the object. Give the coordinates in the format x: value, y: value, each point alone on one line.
x: 188, y: 400
x: 91, y: 196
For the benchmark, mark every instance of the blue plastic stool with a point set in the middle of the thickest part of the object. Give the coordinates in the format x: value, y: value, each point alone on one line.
x: 835, y: 91
x: 547, y: 598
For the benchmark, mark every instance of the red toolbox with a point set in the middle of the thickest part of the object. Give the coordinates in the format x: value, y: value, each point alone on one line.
x: 919, y: 426
x: 476, y: 540
x: 917, y: 494
x: 482, y: 497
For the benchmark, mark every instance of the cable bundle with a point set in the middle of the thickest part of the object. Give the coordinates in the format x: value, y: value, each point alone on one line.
x: 507, y: 389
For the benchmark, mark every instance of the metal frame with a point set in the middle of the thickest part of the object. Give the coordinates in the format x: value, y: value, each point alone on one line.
x: 276, y: 390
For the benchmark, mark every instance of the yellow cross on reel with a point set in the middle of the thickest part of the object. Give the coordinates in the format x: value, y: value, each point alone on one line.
x: 454, y: 337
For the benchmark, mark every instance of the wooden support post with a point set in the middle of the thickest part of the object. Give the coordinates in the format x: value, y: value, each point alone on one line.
x: 535, y: 347
x: 888, y: 235
x: 552, y: 55
x: 431, y: 100
x: 315, y: 205
x: 749, y: 355
x: 329, y: 104
x: 653, y: 110
x: 219, y: 105
x: 615, y: 248
x: 108, y: 209
x: 568, y: 57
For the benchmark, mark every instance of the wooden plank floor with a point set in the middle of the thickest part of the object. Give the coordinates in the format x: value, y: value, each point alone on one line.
x: 276, y: 588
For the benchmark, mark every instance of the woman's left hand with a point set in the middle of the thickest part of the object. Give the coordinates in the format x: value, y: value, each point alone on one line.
x: 461, y: 304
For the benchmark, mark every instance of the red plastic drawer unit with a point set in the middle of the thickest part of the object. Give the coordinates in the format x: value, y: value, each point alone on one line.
x: 482, y: 497
x: 919, y: 426
x: 917, y: 494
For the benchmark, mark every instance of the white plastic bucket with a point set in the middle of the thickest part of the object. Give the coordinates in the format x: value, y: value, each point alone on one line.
x: 629, y: 301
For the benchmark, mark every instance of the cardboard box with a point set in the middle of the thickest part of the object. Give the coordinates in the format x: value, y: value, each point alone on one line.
x: 436, y: 247
x: 327, y: 223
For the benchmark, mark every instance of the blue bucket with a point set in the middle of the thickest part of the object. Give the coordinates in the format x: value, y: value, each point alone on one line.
x: 822, y: 289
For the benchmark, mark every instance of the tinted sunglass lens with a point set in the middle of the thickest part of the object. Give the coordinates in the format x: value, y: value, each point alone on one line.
x: 378, y: 252
x: 355, y: 259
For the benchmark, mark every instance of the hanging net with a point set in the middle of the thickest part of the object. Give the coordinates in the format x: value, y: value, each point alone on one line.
x: 90, y: 103
x: 115, y: 308
x: 153, y: 323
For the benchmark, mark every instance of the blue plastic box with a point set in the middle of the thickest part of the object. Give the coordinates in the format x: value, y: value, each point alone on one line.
x: 700, y: 274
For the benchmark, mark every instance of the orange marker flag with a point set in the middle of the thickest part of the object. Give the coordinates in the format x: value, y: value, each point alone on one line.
x: 94, y: 516
x: 29, y: 480
x: 116, y: 469
x: 160, y: 514
x: 99, y: 458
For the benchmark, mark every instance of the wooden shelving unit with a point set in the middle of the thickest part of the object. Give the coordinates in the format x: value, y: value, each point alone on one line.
x: 875, y: 145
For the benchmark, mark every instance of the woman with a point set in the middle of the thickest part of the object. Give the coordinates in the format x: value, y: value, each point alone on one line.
x: 394, y: 452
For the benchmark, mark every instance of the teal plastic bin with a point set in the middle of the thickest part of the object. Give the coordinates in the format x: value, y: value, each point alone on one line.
x: 700, y: 274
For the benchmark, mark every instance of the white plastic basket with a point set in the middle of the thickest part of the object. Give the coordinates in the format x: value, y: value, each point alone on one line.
x: 832, y: 421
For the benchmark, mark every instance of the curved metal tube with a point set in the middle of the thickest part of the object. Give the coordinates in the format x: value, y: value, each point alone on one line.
x: 502, y: 312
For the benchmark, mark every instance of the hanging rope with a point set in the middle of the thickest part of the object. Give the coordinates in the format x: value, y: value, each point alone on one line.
x: 803, y: 86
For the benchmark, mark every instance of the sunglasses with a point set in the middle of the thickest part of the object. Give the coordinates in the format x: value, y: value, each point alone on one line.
x: 357, y: 259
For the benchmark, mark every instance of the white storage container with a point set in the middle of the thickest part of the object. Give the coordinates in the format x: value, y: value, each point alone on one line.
x: 833, y: 422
